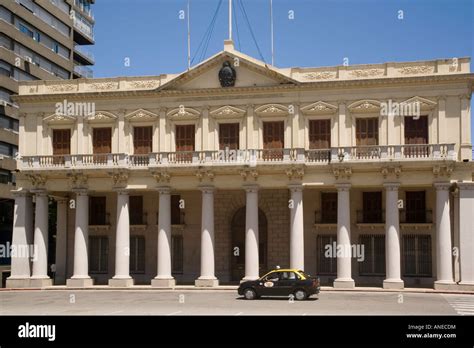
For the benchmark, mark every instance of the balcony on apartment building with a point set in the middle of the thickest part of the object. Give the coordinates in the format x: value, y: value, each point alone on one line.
x: 360, y: 154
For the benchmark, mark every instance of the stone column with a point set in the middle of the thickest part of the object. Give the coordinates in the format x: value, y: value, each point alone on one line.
x: 251, y: 233
x: 61, y: 241
x: 21, y: 241
x: 39, y: 277
x: 164, y: 279
x: 344, y: 273
x: 466, y: 235
x: 81, y: 276
x: 122, y: 243
x: 392, y: 238
x: 297, y: 228
x: 444, y: 261
x: 207, y: 277
x: 466, y: 146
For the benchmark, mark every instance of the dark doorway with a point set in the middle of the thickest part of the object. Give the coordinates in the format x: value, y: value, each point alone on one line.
x: 238, y: 240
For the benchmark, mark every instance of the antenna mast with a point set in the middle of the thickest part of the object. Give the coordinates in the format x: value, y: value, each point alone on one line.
x: 271, y: 31
x: 189, y: 39
x: 230, y: 20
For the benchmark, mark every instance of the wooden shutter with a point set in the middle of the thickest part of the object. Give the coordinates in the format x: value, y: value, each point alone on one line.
x: 61, y: 141
x: 61, y: 145
x: 273, y: 140
x: 367, y: 131
x: 416, y: 133
x: 142, y: 140
x: 229, y: 136
x: 102, y: 140
x: 319, y: 134
x: 185, y: 142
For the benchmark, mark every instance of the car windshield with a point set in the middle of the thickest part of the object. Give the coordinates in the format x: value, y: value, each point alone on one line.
x: 306, y: 275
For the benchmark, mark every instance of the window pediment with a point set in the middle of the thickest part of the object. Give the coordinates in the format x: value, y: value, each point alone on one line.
x: 183, y: 113
x: 366, y: 105
x: 425, y: 104
x: 101, y: 117
x: 272, y: 110
x: 227, y: 112
x: 318, y: 108
x: 59, y: 119
x: 141, y: 115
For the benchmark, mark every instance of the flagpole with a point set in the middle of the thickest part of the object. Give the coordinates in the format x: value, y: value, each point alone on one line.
x: 189, y: 39
x: 271, y: 30
x: 230, y: 20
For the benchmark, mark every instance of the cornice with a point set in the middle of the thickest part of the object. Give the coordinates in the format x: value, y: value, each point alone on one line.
x: 389, y: 81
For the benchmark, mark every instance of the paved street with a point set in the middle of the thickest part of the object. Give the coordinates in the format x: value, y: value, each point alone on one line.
x: 209, y: 302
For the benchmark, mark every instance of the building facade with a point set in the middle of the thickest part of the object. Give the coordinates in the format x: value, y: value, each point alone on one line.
x: 39, y: 40
x: 234, y: 167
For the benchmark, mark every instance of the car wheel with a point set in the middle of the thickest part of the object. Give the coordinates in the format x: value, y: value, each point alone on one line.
x: 250, y: 294
x: 300, y: 295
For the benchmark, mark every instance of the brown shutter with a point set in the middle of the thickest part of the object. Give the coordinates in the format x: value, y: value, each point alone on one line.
x: 273, y: 140
x: 319, y: 134
x: 367, y: 131
x: 229, y: 136
x: 142, y: 140
x: 102, y: 140
x: 185, y: 142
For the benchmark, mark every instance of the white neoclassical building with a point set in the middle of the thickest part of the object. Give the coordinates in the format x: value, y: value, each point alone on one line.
x: 360, y: 174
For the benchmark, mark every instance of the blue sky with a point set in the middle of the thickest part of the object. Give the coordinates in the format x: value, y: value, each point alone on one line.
x: 323, y: 32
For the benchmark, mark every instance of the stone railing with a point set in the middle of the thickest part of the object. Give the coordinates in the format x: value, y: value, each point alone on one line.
x: 354, y: 154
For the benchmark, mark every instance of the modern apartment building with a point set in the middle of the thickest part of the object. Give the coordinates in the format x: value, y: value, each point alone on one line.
x: 39, y: 40
x: 360, y: 174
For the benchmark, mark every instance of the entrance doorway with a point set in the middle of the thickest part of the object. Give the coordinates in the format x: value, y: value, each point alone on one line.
x: 238, y: 240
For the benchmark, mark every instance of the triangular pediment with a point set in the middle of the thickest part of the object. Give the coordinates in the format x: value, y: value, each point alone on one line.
x: 141, y: 115
x: 59, y: 119
x: 228, y: 112
x: 365, y: 106
x: 101, y: 116
x: 250, y: 72
x: 425, y: 104
x: 317, y: 108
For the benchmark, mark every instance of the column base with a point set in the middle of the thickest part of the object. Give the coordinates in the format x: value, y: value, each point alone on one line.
x: 79, y: 282
x: 18, y: 283
x: 121, y: 282
x: 344, y: 284
x: 163, y: 283
x: 206, y: 283
x: 393, y: 284
x: 445, y: 285
x: 40, y: 282
x: 466, y: 286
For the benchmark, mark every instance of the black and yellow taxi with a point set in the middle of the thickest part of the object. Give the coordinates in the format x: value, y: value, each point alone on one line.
x: 281, y: 282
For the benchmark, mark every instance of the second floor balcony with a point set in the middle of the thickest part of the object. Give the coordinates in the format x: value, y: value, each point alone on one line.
x: 248, y: 157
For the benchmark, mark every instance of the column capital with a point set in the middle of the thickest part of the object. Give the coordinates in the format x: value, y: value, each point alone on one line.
x: 59, y: 199
x: 465, y: 185
x: 40, y: 192
x: 296, y: 187
x: 20, y: 193
x: 122, y: 191
x: 343, y: 187
x: 164, y: 190
x: 391, y: 186
x: 251, y: 188
x: 207, y: 189
x: 442, y: 186
x: 81, y: 192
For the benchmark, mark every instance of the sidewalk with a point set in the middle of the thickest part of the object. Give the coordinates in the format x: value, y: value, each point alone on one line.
x: 223, y: 288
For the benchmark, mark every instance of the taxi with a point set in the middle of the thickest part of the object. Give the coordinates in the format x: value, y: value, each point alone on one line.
x: 281, y: 282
